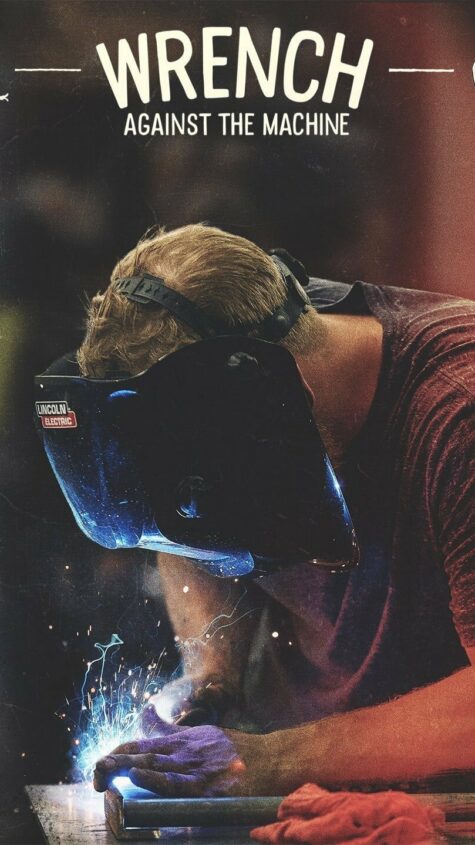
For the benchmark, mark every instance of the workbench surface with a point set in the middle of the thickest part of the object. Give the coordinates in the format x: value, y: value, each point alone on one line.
x: 73, y: 814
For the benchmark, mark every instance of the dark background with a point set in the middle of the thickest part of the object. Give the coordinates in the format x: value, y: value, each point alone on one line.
x: 393, y: 203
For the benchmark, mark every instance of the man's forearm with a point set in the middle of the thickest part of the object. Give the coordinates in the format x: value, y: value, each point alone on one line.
x: 425, y: 733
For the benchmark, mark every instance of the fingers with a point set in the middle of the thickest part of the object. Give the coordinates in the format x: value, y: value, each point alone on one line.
x: 168, y: 774
x: 154, y: 762
x: 180, y: 785
x: 164, y: 728
x: 120, y: 764
x: 197, y: 716
x: 199, y: 759
x: 165, y: 783
x: 187, y: 763
x: 161, y: 745
x: 104, y: 773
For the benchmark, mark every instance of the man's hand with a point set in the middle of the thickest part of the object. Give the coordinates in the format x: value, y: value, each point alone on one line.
x: 180, y: 762
x: 421, y: 735
x: 189, y: 701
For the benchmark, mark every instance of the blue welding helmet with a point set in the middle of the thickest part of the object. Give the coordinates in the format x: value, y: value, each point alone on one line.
x: 212, y: 454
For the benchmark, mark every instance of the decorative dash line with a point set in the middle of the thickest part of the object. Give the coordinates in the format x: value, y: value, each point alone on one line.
x: 48, y: 69
x: 421, y: 70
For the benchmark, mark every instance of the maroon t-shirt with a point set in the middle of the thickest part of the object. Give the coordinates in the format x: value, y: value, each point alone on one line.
x: 401, y: 619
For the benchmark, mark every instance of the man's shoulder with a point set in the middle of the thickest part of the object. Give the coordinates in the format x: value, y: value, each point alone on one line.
x: 431, y: 336
x: 363, y: 297
x: 412, y: 303
x: 421, y: 328
x: 428, y: 372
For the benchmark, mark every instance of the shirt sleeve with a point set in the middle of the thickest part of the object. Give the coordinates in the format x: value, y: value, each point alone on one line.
x: 452, y: 503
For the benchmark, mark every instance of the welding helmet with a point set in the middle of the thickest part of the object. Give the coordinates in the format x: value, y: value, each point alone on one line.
x: 212, y: 453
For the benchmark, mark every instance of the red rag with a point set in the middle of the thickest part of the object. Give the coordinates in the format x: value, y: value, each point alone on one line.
x: 314, y: 816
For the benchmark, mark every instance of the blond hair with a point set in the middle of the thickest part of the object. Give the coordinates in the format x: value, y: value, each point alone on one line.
x: 225, y: 275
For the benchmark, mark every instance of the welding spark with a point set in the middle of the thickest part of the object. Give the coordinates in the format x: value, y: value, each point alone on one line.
x: 111, y: 708
x: 227, y: 624
x: 113, y: 695
x: 193, y: 647
x: 214, y: 627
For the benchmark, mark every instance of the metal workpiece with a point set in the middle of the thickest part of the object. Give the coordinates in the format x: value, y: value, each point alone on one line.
x: 73, y: 814
x: 129, y: 809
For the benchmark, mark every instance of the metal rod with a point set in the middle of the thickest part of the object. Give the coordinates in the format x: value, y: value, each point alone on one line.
x: 200, y: 812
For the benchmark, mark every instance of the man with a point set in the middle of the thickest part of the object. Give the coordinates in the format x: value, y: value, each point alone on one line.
x: 359, y: 676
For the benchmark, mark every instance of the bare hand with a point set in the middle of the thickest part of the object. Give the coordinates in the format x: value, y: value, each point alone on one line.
x: 189, y: 701
x: 181, y: 762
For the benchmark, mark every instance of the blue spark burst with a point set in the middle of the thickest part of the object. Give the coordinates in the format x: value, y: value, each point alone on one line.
x: 112, y: 700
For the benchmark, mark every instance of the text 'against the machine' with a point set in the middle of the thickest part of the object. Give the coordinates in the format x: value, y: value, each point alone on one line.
x: 236, y: 123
